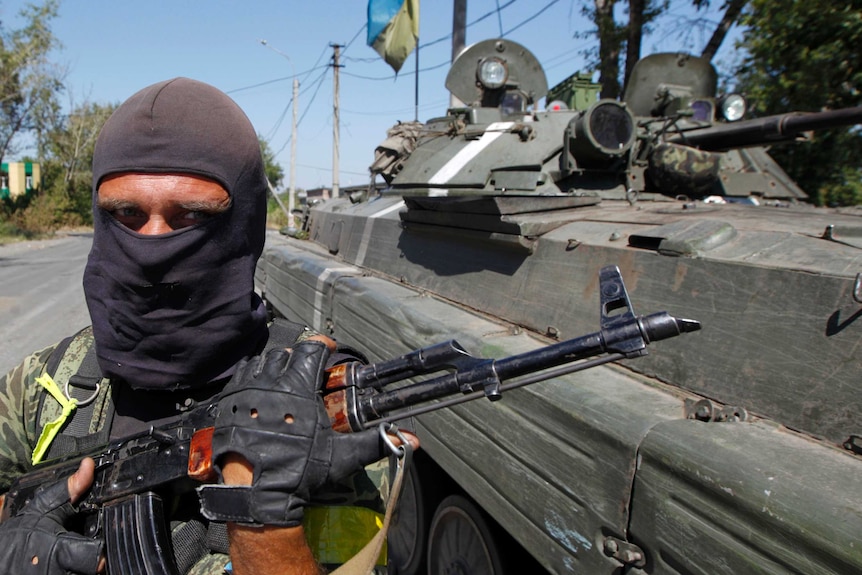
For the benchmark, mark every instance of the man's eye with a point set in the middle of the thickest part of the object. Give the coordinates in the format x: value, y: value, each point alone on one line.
x: 126, y: 212
x: 192, y: 218
x: 199, y: 215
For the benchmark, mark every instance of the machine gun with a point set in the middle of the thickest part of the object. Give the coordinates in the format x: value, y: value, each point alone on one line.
x: 124, y: 506
x: 766, y: 130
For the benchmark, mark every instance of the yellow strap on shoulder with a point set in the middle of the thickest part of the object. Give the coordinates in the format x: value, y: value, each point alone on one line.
x: 363, y: 562
x: 49, y: 432
x: 336, y: 533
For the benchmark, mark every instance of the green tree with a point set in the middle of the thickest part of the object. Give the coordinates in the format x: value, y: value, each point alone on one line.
x: 274, y: 171
x: 65, y: 196
x: 619, y: 42
x: 29, y: 82
x: 67, y: 168
x: 805, y: 55
x: 616, y: 39
x: 732, y: 12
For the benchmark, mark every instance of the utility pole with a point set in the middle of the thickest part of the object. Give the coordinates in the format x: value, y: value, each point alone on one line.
x: 291, y: 194
x: 335, y: 125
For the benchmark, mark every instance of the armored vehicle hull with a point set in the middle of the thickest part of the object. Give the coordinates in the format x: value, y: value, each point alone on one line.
x: 732, y: 450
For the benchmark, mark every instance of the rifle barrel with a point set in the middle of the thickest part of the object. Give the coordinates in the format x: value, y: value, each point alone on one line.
x: 649, y: 328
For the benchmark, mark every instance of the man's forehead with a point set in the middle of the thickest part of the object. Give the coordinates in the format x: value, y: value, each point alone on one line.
x: 164, y: 178
x: 182, y: 187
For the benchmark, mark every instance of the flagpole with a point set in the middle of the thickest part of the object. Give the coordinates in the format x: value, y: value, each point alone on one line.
x: 459, y: 38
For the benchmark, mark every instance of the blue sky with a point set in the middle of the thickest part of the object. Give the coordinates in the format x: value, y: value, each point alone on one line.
x: 112, y: 48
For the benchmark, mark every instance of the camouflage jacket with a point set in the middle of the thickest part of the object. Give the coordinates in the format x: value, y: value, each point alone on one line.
x: 20, y: 396
x: 19, y: 403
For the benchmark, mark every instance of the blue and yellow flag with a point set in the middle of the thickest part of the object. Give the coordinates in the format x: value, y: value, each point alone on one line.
x: 393, y: 29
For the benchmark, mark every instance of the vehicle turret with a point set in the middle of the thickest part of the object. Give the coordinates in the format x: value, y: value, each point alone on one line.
x: 697, y: 144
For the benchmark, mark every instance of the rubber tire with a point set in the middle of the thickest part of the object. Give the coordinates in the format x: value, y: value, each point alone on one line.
x: 408, y: 529
x: 460, y: 541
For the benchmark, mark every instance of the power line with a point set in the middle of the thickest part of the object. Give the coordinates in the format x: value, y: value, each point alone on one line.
x: 258, y: 85
x: 355, y: 36
x: 266, y: 83
x: 329, y: 169
x: 319, y: 58
x: 476, y: 21
x: 394, y: 76
x: 531, y: 18
x: 287, y: 107
x: 278, y: 122
x: 307, y: 108
x: 393, y: 112
x: 368, y: 60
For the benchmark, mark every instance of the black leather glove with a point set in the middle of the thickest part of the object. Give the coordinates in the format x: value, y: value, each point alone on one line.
x: 272, y: 414
x: 35, y: 541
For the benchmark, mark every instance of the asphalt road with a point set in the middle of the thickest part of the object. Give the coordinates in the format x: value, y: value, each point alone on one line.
x: 41, y: 297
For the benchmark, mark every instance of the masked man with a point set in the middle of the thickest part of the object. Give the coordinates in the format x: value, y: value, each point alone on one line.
x: 179, y: 208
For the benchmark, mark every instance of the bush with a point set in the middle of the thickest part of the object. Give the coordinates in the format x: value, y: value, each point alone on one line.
x: 846, y: 192
x: 275, y: 216
x: 11, y: 232
x: 52, y: 210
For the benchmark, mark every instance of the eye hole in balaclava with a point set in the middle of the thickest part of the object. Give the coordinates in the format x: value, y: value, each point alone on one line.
x: 153, y: 204
x: 178, y: 310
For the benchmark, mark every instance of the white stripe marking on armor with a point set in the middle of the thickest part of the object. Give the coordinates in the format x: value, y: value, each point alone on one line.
x: 366, y: 231
x: 319, y: 293
x: 390, y: 209
x: 451, y: 168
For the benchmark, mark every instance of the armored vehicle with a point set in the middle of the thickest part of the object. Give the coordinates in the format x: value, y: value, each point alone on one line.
x: 736, y: 449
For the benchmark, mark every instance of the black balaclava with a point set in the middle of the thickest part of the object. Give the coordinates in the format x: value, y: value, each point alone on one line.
x: 178, y: 310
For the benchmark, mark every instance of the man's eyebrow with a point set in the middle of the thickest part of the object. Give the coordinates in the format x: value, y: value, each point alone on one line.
x: 209, y: 206
x: 111, y: 204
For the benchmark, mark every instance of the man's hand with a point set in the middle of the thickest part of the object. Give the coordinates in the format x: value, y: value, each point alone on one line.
x: 36, y: 541
x: 271, y: 414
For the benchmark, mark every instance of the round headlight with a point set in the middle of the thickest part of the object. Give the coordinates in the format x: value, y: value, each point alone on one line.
x: 732, y: 107
x: 492, y: 73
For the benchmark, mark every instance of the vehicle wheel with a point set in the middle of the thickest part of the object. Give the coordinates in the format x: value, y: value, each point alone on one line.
x: 460, y: 541
x: 408, y: 528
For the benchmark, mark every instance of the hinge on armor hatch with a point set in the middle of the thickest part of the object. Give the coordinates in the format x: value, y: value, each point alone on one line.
x: 854, y: 444
x: 706, y: 410
x: 857, y: 288
x: 624, y: 552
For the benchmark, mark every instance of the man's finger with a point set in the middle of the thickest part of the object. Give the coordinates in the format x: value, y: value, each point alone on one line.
x: 330, y: 343
x: 353, y: 451
x: 81, y: 480
x: 305, y: 367
x: 79, y: 554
